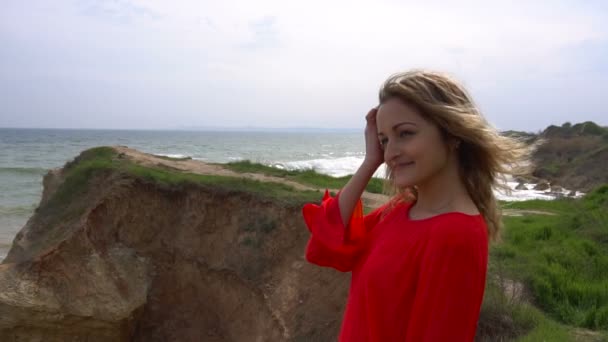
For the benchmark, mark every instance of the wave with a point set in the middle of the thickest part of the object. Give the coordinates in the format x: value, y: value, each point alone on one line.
x: 336, y: 167
x: 173, y: 155
x: 38, y: 171
x: 529, y: 193
x: 22, y: 210
x: 339, y: 167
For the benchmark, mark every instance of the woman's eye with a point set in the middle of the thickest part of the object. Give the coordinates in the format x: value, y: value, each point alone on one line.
x: 383, y: 142
x: 405, y: 133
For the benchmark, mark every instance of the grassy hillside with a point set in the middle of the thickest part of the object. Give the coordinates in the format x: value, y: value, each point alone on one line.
x: 562, y: 262
x: 80, y: 171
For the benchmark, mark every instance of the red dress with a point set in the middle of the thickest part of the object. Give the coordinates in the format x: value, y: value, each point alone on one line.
x: 412, y: 280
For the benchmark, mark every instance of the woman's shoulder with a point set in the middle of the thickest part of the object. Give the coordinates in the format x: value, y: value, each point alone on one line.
x: 458, y: 228
x: 390, y: 207
x: 454, y: 227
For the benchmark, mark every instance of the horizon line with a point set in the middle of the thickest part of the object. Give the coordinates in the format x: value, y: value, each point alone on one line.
x: 192, y: 129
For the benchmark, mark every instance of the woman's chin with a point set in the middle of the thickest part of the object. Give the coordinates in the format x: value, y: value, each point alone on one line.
x: 403, y: 183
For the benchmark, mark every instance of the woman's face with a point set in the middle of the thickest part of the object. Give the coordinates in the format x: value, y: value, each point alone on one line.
x: 413, y: 147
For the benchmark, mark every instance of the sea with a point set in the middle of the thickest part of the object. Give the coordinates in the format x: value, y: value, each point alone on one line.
x: 26, y: 155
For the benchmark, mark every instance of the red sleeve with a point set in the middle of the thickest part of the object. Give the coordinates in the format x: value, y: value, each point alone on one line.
x: 332, y: 244
x: 450, y: 287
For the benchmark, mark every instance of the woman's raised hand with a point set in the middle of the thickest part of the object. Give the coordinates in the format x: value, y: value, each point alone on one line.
x: 374, y: 155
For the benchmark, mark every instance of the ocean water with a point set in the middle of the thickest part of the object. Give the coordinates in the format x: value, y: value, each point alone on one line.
x: 27, y: 154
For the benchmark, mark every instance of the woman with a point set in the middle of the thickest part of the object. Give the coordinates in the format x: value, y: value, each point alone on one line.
x: 418, y: 262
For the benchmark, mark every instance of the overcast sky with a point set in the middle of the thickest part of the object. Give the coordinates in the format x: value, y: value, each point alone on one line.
x: 157, y: 64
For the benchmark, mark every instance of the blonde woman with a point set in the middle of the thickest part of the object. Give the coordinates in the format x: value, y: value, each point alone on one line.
x: 418, y: 262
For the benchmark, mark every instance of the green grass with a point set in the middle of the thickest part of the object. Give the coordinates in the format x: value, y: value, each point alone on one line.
x: 562, y: 260
x: 307, y: 177
x: 77, y: 175
x: 545, y: 329
x: 505, y: 319
x: 555, y: 206
x: 98, y: 160
x: 267, y: 190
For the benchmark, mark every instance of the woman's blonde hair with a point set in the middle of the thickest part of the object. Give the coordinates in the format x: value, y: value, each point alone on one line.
x: 485, y: 156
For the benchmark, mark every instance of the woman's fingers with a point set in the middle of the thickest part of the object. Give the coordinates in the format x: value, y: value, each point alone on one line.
x: 371, y: 115
x: 373, y: 150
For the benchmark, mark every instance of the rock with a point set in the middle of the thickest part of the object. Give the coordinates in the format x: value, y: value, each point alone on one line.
x: 521, y: 186
x: 572, y: 193
x: 557, y: 189
x: 130, y: 259
x: 525, y: 179
x: 519, y: 179
x: 542, y: 186
x: 574, y: 157
x: 558, y: 195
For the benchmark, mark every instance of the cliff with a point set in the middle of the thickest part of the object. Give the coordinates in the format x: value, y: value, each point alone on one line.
x: 133, y: 249
x: 571, y: 156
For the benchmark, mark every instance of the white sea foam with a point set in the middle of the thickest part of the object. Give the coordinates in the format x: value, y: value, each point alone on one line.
x: 171, y: 155
x: 338, y: 167
x: 523, y: 195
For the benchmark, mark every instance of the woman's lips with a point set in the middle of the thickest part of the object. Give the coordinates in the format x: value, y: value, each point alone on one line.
x: 402, y: 165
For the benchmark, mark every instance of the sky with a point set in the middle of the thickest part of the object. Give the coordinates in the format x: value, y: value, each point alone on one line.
x: 156, y: 64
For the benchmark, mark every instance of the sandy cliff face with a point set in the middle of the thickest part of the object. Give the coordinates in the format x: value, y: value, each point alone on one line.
x: 131, y: 259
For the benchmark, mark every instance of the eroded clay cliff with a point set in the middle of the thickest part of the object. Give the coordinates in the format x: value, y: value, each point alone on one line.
x: 115, y: 256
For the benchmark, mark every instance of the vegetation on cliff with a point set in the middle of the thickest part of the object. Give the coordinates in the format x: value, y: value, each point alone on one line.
x: 306, y: 177
x: 104, y: 159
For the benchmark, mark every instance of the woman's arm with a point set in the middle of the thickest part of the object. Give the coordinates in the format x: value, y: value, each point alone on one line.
x: 332, y: 243
x: 374, y: 156
x: 352, y: 191
x: 338, y: 226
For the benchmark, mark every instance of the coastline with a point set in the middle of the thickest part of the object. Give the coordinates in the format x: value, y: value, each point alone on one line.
x: 15, y: 223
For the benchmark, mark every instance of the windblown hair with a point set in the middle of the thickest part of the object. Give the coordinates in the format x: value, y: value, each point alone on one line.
x: 485, y: 156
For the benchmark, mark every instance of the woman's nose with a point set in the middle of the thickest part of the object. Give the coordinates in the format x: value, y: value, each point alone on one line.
x: 391, y: 151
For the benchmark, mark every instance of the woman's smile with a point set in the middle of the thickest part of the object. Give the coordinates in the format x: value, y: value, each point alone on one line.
x: 403, y: 165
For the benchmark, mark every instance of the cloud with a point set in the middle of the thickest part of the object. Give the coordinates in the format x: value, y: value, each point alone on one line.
x: 310, y: 63
x: 116, y: 11
x: 264, y: 32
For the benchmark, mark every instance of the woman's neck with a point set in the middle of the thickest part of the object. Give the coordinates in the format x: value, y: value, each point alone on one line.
x: 444, y: 192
